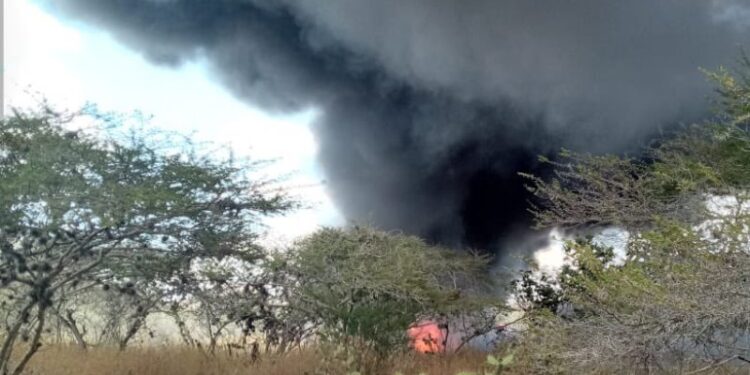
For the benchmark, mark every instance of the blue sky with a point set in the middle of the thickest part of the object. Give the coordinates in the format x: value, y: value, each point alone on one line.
x: 71, y: 64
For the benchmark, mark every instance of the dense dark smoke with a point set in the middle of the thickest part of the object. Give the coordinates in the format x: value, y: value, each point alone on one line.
x: 430, y: 107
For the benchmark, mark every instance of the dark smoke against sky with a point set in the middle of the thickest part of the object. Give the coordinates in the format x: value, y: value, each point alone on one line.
x: 430, y: 107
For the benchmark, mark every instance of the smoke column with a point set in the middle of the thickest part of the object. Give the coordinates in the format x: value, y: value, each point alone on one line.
x: 430, y: 107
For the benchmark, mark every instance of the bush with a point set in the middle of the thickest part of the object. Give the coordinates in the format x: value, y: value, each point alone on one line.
x: 679, y: 302
x: 365, y: 287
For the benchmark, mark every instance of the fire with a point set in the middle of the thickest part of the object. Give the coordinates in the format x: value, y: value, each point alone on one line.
x: 426, y: 337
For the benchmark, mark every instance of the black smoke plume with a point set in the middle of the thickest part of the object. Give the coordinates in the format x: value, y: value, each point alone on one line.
x: 430, y: 107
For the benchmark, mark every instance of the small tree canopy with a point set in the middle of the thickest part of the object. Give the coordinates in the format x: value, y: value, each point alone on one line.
x: 81, y: 208
x: 679, y: 301
x: 372, y: 285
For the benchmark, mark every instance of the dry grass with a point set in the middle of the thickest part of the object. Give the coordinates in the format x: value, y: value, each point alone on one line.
x: 63, y: 360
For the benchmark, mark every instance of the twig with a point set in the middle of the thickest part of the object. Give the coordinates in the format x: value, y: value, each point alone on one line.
x: 714, y: 365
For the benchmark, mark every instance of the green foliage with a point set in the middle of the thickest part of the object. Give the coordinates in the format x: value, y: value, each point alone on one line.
x: 369, y: 286
x: 669, y: 182
x: 89, y: 201
x: 56, y: 179
x: 679, y: 301
x: 733, y: 88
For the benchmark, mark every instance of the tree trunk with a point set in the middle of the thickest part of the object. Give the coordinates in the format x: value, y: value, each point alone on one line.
x: 212, y: 345
x: 70, y: 323
x: 11, y: 337
x: 187, y: 338
x: 134, y: 328
x: 35, y: 342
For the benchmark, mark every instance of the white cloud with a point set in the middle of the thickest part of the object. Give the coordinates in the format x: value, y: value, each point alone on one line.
x: 69, y: 65
x: 617, y: 239
x: 33, y: 40
x: 552, y: 257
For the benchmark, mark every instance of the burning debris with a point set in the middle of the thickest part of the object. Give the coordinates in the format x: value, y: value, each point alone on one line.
x: 480, y: 332
x: 427, y: 337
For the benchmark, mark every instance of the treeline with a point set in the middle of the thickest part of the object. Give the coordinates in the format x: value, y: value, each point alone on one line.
x: 104, y: 224
x: 678, y: 301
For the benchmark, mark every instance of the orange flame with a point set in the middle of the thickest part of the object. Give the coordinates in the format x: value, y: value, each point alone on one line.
x: 426, y: 337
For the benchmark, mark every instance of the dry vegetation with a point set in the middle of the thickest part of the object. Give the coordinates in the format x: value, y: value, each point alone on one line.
x: 68, y: 360
x: 104, y: 229
x: 98, y: 246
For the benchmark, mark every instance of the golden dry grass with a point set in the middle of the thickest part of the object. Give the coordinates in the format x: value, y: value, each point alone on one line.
x: 64, y: 360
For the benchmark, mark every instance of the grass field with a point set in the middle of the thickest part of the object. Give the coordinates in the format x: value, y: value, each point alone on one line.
x: 64, y: 360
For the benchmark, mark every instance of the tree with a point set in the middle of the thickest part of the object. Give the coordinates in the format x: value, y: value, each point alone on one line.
x: 112, y: 207
x: 679, y: 302
x: 365, y: 287
x: 237, y: 299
